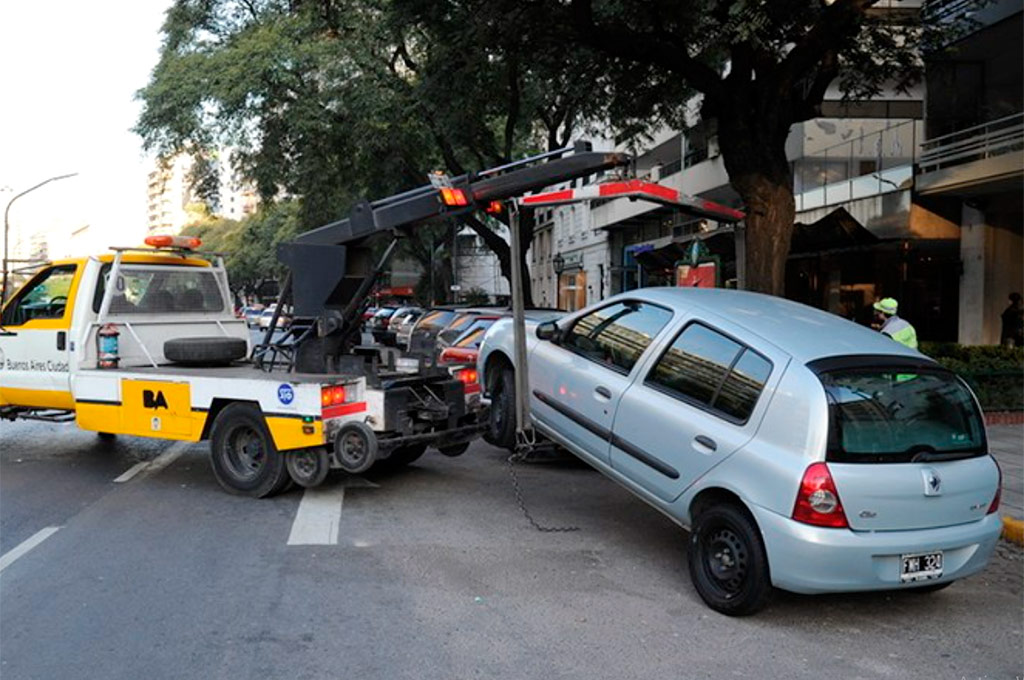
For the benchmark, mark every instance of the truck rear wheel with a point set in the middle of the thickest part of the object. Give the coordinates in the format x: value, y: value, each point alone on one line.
x: 355, y: 448
x: 308, y: 467
x: 242, y: 453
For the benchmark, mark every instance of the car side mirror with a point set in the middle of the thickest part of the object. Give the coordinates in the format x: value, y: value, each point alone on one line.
x: 548, y: 331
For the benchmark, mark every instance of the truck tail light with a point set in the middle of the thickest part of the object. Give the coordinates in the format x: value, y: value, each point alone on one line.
x: 467, y: 376
x: 818, y: 501
x: 999, y: 491
x: 332, y: 395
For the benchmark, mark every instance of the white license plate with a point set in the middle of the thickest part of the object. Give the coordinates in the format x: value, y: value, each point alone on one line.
x: 920, y: 566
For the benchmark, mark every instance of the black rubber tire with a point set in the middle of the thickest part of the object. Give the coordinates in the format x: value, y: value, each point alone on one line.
x: 400, y: 457
x: 106, y: 436
x: 455, y: 450
x: 355, y: 448
x: 742, y: 585
x: 214, y: 351
x: 242, y: 453
x: 501, y: 423
x: 308, y: 467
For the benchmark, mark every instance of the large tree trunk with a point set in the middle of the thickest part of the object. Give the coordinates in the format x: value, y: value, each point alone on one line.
x: 769, y: 229
x: 503, y: 251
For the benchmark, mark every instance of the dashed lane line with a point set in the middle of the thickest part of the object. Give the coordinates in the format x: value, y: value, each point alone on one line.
x: 150, y: 467
x: 318, y: 517
x: 11, y: 556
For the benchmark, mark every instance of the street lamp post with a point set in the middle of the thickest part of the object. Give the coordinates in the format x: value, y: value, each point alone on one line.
x: 7, y: 227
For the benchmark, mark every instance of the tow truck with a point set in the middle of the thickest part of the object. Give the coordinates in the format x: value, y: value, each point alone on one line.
x: 143, y: 341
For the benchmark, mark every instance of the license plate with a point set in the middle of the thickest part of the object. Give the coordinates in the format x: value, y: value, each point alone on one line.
x: 920, y: 566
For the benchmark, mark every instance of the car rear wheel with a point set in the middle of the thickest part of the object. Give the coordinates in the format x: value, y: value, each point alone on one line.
x: 727, y: 561
x: 501, y: 426
x: 242, y: 453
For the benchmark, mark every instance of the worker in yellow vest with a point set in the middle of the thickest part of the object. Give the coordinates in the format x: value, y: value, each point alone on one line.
x: 896, y: 328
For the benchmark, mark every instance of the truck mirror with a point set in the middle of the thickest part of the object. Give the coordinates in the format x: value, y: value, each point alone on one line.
x: 548, y: 331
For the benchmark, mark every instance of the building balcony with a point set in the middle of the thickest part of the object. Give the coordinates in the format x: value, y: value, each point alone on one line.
x: 986, y: 156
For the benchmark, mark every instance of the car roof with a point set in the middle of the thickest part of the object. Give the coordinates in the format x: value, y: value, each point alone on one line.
x: 804, y: 332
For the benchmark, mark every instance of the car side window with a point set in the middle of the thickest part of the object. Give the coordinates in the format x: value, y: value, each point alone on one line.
x: 713, y: 371
x: 44, y: 298
x: 618, y: 334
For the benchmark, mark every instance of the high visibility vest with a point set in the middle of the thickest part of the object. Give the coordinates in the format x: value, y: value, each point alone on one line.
x: 900, y: 331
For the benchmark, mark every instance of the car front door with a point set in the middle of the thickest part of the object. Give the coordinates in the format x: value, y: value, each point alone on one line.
x: 576, y: 381
x: 698, y: 401
x: 35, y: 359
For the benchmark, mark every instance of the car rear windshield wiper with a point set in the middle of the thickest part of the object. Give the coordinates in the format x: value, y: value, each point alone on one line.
x: 928, y: 454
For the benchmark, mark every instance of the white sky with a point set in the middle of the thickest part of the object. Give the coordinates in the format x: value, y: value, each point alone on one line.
x: 68, y: 74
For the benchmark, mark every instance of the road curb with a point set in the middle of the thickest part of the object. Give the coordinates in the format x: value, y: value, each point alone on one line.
x: 1013, y: 530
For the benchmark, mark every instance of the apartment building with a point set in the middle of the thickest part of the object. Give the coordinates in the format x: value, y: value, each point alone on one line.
x: 173, y: 201
x: 913, y: 195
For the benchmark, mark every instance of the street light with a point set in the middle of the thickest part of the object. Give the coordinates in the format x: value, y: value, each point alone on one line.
x: 7, y: 227
x: 558, y: 262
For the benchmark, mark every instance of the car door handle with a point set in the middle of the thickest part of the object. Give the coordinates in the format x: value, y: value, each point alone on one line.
x: 62, y: 340
x: 603, y: 391
x: 706, y: 442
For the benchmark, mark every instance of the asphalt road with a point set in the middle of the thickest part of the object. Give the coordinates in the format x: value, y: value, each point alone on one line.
x: 434, y: 574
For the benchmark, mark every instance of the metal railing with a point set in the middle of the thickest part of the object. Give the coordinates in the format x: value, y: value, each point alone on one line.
x: 873, y: 163
x: 995, y: 138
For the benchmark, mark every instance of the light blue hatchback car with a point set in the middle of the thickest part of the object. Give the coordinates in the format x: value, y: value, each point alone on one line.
x: 803, y: 451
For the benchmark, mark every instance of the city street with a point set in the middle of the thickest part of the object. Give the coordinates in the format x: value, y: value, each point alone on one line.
x: 431, y: 572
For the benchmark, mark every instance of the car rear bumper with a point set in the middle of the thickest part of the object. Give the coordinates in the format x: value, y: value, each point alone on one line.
x: 808, y: 559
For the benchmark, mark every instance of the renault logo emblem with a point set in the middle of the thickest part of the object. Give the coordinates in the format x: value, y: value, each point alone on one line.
x: 932, y: 482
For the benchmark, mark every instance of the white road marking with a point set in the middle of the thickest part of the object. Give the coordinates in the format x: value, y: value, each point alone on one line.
x: 318, y: 518
x: 37, y: 538
x: 153, y: 466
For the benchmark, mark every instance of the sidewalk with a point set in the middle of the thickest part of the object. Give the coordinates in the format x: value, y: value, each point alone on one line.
x: 1006, y: 442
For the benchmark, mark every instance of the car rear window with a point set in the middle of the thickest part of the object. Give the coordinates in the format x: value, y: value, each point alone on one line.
x: 894, y: 415
x: 472, y: 338
x: 434, y: 320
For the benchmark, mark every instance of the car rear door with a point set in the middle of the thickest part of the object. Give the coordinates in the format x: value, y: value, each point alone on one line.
x: 697, y: 402
x: 907, y: 448
x: 577, y: 382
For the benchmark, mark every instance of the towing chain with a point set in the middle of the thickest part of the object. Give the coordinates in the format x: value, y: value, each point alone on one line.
x: 525, y: 441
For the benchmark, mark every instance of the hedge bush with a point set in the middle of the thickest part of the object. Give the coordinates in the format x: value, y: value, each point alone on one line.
x: 995, y: 373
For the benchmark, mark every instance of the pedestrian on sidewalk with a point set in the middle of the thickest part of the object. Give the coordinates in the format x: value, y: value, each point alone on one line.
x: 892, y: 325
x: 1012, y: 334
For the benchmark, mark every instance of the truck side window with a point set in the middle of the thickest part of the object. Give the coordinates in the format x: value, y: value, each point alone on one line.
x: 44, y: 297
x: 710, y: 370
x: 618, y: 334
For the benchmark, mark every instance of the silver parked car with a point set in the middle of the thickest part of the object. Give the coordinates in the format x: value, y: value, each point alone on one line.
x: 803, y: 451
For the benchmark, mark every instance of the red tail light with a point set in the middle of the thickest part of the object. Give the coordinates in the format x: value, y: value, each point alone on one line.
x: 999, y: 491
x: 332, y: 395
x: 467, y: 376
x: 494, y: 208
x: 456, y: 197
x: 818, y: 501
x: 446, y: 356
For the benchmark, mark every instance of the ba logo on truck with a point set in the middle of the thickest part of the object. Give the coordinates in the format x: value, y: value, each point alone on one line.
x: 285, y: 394
x: 154, y: 401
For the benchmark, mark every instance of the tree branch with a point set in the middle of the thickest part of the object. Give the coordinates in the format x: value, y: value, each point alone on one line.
x: 837, y: 23
x: 644, y: 47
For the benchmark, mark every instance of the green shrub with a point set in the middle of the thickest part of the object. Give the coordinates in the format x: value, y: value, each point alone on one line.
x: 995, y: 373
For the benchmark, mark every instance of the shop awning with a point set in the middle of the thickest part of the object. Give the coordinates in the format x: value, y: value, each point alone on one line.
x: 837, y: 232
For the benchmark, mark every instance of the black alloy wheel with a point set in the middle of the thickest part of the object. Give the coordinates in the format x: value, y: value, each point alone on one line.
x: 727, y: 561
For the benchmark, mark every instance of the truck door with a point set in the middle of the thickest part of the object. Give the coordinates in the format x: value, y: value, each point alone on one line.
x: 35, y: 344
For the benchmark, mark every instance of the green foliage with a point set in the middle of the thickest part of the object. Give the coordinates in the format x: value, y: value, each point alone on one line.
x: 476, y: 297
x: 250, y: 245
x: 994, y: 372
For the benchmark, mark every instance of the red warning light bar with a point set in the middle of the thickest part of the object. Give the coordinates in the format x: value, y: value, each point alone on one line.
x: 186, y: 242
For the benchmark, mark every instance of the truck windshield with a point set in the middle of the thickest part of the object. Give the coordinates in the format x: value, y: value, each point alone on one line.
x: 892, y: 416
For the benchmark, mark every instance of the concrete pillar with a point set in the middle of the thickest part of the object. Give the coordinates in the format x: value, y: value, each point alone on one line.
x: 974, y: 255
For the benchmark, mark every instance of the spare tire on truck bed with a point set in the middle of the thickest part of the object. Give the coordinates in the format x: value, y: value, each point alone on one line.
x: 214, y: 351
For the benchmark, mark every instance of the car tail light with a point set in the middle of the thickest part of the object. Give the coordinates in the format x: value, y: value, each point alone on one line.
x: 446, y: 356
x: 818, y: 501
x: 332, y: 395
x: 999, y: 491
x: 467, y: 376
